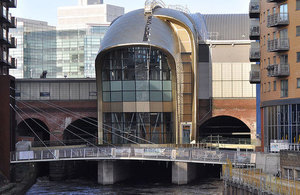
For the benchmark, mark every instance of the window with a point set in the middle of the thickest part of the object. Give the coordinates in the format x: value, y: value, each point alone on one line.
x: 274, y: 59
x: 298, y: 31
x: 284, y: 59
x: 298, y: 56
x: 297, y: 4
x: 298, y: 82
x: 283, y: 34
x: 269, y: 86
x: 274, y: 85
x: 274, y: 10
x: 274, y: 35
x: 269, y: 61
x: 284, y: 88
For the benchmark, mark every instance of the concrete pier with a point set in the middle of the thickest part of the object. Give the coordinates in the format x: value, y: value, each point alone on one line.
x: 183, y: 173
x: 111, y: 171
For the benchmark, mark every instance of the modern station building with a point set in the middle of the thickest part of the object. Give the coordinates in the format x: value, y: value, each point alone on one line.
x: 154, y: 78
x: 275, y: 26
x: 147, y: 76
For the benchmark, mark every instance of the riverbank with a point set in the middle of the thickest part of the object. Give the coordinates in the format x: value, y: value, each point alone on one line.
x: 25, y: 176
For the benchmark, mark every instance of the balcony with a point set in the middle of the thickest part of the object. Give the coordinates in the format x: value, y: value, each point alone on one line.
x: 254, y: 30
x: 278, y: 45
x: 254, y: 9
x: 278, y: 70
x: 13, y: 22
x: 254, y: 74
x: 254, y: 52
x: 280, y: 19
x: 10, y: 3
x: 12, y: 43
x: 13, y: 63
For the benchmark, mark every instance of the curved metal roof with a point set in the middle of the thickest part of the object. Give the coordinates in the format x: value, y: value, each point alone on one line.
x: 129, y: 29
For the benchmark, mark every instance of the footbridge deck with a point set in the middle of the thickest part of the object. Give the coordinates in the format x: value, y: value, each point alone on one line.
x: 192, y: 155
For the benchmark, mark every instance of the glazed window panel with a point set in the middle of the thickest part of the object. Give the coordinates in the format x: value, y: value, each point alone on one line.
x: 167, y: 85
x: 155, y: 96
x: 105, y: 86
x: 116, y: 96
x: 128, y: 85
x: 142, y: 96
x: 106, y: 96
x: 167, y: 96
x: 116, y: 86
x: 128, y: 96
x: 156, y: 85
x: 142, y: 85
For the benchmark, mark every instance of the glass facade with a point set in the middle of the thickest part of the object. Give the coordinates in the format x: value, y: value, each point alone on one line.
x: 282, y: 123
x: 77, y: 50
x: 36, y: 49
x: 137, y: 75
x: 154, y: 127
x: 62, y: 53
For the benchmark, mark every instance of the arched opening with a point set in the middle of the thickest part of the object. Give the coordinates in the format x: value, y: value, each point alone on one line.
x: 81, y: 131
x: 27, y: 129
x: 224, y: 129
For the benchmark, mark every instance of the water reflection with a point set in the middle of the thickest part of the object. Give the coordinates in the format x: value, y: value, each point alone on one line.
x: 82, y: 187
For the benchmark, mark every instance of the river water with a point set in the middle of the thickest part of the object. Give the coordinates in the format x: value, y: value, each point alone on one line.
x: 82, y: 187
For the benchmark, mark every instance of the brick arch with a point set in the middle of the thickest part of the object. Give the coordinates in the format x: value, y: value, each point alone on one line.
x: 32, y: 129
x: 225, y: 126
x: 242, y: 109
x: 86, y: 127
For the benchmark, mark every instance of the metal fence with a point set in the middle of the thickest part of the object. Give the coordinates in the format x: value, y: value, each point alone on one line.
x: 254, y: 179
x: 195, y: 155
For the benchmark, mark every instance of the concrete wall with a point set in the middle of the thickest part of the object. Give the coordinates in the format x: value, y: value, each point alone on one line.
x: 111, y: 172
x: 183, y: 173
x: 290, y: 161
x: 268, y: 162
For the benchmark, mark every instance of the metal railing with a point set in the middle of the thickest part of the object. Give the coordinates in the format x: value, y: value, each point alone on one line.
x: 134, y: 153
x: 278, y: 19
x: 254, y: 53
x: 295, y: 147
x: 254, y: 7
x: 254, y: 179
x: 281, y: 44
x: 151, y: 4
x: 254, y: 76
x: 225, y: 140
x: 278, y: 70
x: 254, y: 30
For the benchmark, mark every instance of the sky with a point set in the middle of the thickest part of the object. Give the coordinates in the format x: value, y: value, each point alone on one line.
x: 46, y: 10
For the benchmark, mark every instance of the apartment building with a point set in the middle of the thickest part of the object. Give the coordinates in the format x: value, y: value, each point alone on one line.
x: 275, y: 25
x: 7, y: 83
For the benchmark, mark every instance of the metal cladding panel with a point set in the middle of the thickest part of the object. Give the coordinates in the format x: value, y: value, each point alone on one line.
x: 45, y: 91
x: 84, y: 91
x: 74, y: 91
x: 54, y: 91
x: 35, y: 91
x: 228, y: 26
x: 129, y: 29
x: 64, y: 91
x: 178, y: 15
x: 25, y: 91
x: 93, y: 91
